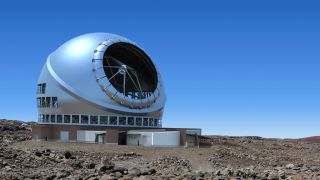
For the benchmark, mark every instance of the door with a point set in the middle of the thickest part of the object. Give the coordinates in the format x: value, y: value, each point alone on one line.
x: 64, y: 135
x: 81, y: 135
x: 122, y: 138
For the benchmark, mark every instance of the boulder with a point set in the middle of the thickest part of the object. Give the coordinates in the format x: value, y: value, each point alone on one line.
x: 134, y: 172
x: 67, y: 155
x: 290, y: 166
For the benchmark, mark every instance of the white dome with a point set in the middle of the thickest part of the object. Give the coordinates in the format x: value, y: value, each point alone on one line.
x: 105, y: 72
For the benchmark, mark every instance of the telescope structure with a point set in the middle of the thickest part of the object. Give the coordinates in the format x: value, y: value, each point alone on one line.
x: 100, y: 79
x: 95, y: 87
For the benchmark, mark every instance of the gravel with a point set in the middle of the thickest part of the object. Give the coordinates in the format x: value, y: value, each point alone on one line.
x: 229, y: 158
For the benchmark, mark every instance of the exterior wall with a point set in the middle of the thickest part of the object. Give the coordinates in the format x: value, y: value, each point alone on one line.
x: 64, y: 136
x: 112, y: 136
x: 52, y: 132
x: 147, y: 139
x: 87, y: 136
x: 191, y: 141
x: 134, y: 140
x: 183, y: 134
x: 163, y: 138
x: 168, y: 138
x: 183, y: 137
x: 41, y: 132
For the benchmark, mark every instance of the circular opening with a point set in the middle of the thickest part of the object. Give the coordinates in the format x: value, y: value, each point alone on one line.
x: 130, y: 70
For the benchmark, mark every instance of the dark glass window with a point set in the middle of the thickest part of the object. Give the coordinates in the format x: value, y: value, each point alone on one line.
x: 54, y: 102
x: 53, y: 118
x: 138, y: 121
x: 103, y: 119
x: 41, y: 88
x: 94, y: 120
x: 66, y: 118
x: 122, y: 121
x: 130, y: 121
x: 84, y: 119
x: 43, y: 102
x: 151, y: 122
x: 145, y: 121
x: 113, y: 120
x: 46, y: 118
x: 156, y: 122
x: 75, y: 118
x: 59, y: 118
x: 47, y: 103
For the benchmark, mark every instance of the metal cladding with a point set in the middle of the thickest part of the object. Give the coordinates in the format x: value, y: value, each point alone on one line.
x: 100, y: 74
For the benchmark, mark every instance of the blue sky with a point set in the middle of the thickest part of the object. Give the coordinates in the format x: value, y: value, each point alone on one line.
x: 229, y: 67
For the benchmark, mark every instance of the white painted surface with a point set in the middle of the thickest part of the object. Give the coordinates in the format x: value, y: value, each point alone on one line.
x: 101, y: 139
x: 134, y: 140
x: 169, y: 138
x: 87, y: 136
x: 162, y: 139
x: 64, y: 135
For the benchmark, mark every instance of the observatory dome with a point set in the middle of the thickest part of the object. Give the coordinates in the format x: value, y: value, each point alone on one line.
x: 100, y: 78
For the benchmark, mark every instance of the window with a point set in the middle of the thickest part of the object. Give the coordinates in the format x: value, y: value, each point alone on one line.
x: 41, y: 118
x: 103, y: 119
x: 130, y: 121
x: 145, y: 121
x: 38, y: 102
x: 42, y: 99
x: 94, y: 120
x: 54, y: 102
x: 75, y: 119
x: 47, y: 102
x: 59, y: 118
x: 66, y: 118
x: 41, y: 88
x: 53, y: 118
x: 46, y: 118
x: 156, y: 122
x: 138, y: 121
x: 113, y: 120
x: 122, y: 121
x: 84, y: 119
x: 150, y: 121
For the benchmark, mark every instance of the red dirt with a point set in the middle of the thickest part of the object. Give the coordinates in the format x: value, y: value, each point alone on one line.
x: 312, y: 139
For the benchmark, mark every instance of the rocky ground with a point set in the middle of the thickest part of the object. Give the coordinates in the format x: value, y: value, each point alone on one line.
x: 228, y: 158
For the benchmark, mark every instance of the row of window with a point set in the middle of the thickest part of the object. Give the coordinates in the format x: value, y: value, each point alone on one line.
x: 100, y: 120
x: 47, y: 102
x: 138, y: 95
x: 41, y: 88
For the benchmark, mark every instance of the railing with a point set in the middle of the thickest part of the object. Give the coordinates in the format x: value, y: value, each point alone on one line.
x: 80, y: 119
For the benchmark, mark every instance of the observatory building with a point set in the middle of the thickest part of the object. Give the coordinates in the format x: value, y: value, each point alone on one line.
x: 104, y: 88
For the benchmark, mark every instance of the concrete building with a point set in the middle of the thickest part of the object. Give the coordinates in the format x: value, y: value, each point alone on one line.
x: 101, y: 87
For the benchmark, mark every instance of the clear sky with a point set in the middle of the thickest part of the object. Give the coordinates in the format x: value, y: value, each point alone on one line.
x: 229, y: 67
